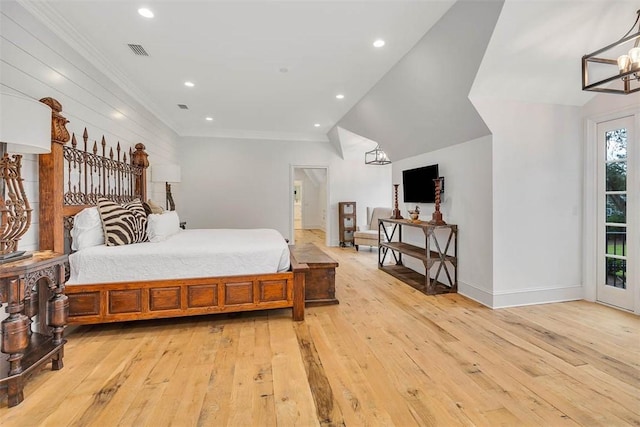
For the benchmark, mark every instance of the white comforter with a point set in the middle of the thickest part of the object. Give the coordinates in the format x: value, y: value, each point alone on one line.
x: 187, y: 254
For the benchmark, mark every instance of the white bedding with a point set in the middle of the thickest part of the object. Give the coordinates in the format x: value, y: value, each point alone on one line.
x: 187, y: 254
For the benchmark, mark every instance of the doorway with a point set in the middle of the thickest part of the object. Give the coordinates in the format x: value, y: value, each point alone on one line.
x: 618, y: 212
x: 309, y: 199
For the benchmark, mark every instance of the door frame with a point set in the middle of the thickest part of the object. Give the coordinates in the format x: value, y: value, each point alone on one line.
x: 327, y: 223
x: 590, y: 207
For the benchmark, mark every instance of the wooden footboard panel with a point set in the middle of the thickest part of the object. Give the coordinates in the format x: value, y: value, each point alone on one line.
x: 118, y: 302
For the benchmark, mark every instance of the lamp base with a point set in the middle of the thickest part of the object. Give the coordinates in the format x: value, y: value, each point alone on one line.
x: 14, y: 256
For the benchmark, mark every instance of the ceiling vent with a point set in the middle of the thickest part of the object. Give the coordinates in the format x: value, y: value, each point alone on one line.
x: 183, y: 107
x: 138, y: 50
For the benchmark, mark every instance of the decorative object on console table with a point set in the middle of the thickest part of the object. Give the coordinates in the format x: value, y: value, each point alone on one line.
x: 26, y: 296
x: 415, y: 214
x: 347, y: 222
x: 25, y: 127
x: 434, y: 255
x: 167, y: 174
x: 436, y: 217
x: 396, y: 211
x: 320, y: 277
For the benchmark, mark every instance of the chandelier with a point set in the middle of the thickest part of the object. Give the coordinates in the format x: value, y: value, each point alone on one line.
x: 376, y: 157
x: 599, y: 74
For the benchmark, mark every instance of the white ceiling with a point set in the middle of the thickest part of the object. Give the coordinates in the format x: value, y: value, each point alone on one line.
x: 536, y: 48
x: 234, y: 52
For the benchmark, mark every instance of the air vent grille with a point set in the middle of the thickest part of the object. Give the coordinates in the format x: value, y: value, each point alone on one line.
x: 138, y: 50
x: 183, y: 107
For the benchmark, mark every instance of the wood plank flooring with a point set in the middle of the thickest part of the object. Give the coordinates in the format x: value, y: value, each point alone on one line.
x: 387, y: 355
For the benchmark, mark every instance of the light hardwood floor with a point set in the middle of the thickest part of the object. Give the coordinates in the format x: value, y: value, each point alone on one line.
x: 386, y: 355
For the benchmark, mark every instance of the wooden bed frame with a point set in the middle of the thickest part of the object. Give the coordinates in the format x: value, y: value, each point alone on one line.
x: 89, y: 176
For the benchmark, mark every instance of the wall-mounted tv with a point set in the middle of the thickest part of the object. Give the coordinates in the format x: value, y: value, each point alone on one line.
x: 418, y: 185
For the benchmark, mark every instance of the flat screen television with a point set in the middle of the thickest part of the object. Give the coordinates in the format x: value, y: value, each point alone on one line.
x: 418, y: 185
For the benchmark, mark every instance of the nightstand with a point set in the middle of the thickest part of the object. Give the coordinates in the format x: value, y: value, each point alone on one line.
x: 31, y: 287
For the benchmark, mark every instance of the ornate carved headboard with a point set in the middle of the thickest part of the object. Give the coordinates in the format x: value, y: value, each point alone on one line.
x: 73, y: 178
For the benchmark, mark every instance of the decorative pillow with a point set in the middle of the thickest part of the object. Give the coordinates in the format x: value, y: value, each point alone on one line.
x: 155, y: 208
x: 161, y: 227
x: 87, y: 229
x: 123, y: 224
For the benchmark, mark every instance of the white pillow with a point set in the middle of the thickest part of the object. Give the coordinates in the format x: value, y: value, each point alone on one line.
x: 162, y: 226
x: 87, y: 229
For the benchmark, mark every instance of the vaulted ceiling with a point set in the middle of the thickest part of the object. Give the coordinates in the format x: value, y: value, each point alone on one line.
x: 272, y: 69
x: 261, y: 69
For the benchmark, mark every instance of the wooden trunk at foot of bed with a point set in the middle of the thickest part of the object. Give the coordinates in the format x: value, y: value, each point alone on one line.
x: 118, y: 302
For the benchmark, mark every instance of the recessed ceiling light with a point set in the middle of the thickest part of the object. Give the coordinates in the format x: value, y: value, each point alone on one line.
x: 189, y: 84
x: 317, y: 125
x: 208, y: 119
x: 340, y: 96
x: 284, y: 70
x: 145, y: 12
x: 378, y: 43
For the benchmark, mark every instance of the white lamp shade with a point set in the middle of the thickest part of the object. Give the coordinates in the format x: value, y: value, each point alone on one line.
x: 165, y: 173
x: 25, y: 124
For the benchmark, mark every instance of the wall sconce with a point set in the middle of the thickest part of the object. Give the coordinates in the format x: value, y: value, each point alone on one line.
x: 166, y: 174
x: 25, y: 127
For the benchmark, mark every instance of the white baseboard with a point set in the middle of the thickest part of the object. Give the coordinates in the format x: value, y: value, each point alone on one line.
x: 514, y: 298
x: 532, y: 296
x: 475, y: 293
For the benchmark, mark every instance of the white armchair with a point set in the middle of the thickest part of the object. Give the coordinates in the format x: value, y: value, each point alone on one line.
x: 368, y: 235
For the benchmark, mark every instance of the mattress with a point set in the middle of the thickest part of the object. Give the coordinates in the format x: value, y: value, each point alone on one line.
x: 187, y: 254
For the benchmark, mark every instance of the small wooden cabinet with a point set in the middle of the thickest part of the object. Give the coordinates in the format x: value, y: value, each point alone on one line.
x: 439, y: 253
x: 346, y: 222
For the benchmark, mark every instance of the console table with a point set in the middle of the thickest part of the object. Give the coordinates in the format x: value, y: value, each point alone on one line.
x: 31, y: 287
x: 434, y: 254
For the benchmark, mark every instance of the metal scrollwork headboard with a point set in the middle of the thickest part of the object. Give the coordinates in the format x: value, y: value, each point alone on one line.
x: 72, y: 178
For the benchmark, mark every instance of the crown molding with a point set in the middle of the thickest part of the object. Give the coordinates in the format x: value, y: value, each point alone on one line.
x: 46, y: 13
x: 262, y: 135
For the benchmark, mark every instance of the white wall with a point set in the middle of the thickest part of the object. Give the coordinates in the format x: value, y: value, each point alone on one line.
x: 241, y: 183
x: 467, y: 202
x: 537, y: 201
x: 37, y: 64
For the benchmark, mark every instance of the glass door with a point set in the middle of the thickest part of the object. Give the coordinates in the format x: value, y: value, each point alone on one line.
x: 617, y: 212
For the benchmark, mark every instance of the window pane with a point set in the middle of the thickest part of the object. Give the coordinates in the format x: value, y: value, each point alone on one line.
x: 616, y: 270
x: 617, y: 241
x: 617, y: 176
x: 616, y: 144
x: 616, y: 209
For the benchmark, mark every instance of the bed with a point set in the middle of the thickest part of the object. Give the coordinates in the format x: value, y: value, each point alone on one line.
x: 123, y: 284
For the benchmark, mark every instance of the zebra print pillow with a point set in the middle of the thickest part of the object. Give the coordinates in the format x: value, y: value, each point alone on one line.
x: 123, y: 224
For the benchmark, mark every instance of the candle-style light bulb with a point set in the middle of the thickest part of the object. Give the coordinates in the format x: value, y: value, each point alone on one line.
x: 624, y: 63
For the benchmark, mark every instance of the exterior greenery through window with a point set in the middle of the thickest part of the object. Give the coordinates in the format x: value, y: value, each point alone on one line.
x: 616, y: 208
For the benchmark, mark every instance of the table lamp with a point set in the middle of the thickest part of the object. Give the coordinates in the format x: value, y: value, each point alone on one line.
x: 166, y: 174
x: 25, y: 127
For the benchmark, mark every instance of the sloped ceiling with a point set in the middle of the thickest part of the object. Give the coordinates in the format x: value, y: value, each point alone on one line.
x: 422, y: 103
x: 267, y: 69
x: 535, y: 51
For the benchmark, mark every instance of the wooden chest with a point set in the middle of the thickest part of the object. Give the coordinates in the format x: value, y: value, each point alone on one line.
x: 320, y: 279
